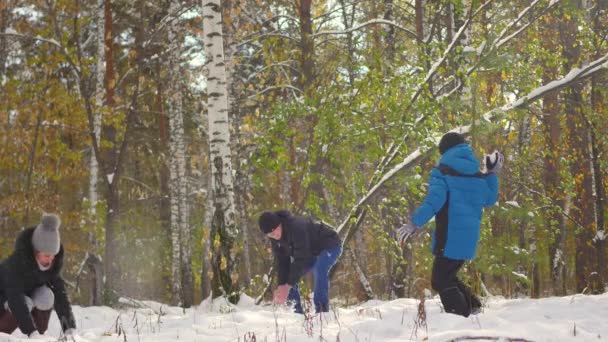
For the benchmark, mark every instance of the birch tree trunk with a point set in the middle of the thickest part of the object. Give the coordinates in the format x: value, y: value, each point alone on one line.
x: 99, y: 96
x: 180, y: 241
x: 206, y: 273
x: 5, y: 23
x: 97, y: 290
x: 225, y: 276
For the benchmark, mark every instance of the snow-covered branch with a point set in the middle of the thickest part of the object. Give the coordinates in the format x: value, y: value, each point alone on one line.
x: 501, y: 39
x: 499, y: 42
x: 266, y: 35
x: 12, y: 33
x: 367, y: 23
x: 573, y: 76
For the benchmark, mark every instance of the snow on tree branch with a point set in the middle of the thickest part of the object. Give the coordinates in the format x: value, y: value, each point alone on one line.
x: 367, y: 23
x: 573, y: 76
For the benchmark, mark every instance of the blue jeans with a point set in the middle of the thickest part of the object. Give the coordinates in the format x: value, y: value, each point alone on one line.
x: 320, y: 271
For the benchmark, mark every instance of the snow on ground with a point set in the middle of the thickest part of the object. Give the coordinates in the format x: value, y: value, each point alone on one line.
x: 572, y: 318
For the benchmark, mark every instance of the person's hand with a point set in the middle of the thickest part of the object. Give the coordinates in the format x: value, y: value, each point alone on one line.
x: 405, y: 232
x: 281, y: 293
x: 494, y: 162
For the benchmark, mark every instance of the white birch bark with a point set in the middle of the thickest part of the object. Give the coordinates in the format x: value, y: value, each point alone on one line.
x: 222, y: 187
x: 367, y: 286
x: 206, y: 273
x: 219, y: 128
x: 180, y: 232
x: 96, y: 298
x: 99, y: 96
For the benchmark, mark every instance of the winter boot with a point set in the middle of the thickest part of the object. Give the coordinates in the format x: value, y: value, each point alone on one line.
x: 454, y: 301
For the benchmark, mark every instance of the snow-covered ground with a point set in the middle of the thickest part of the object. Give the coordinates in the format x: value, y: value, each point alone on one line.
x: 572, y: 318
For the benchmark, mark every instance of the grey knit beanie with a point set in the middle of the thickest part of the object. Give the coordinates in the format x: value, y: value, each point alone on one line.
x: 46, y: 235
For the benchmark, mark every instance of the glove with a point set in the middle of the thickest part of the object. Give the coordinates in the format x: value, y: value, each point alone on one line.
x: 494, y: 162
x: 405, y: 232
x: 281, y: 293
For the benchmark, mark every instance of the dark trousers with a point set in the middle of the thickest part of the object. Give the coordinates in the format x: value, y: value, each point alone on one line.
x: 456, y: 297
x: 8, y: 323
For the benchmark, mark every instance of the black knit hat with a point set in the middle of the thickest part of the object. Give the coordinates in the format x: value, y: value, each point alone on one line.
x: 450, y: 140
x: 268, y: 221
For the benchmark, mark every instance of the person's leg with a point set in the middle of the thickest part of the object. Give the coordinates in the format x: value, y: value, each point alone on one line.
x: 294, y: 298
x: 325, y: 261
x: 472, y: 300
x: 41, y: 319
x: 43, y: 298
x: 8, y: 323
x: 445, y: 281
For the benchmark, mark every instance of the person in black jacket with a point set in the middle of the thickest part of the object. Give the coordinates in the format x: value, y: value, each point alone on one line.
x: 300, y: 245
x: 31, y: 284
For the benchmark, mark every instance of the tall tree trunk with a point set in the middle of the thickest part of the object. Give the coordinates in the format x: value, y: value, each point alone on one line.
x: 111, y: 270
x: 99, y: 99
x: 100, y: 93
x: 207, y: 270
x: 552, y: 134
x: 235, y: 75
x: 581, y: 148
x: 181, y: 268
x: 390, y: 33
x: 110, y: 158
x: 115, y: 154
x: 225, y: 266
x: 347, y: 20
x: 307, y: 47
x: 164, y: 202
x: 419, y: 9
x: 5, y: 23
x: 598, y: 106
x: 585, y: 258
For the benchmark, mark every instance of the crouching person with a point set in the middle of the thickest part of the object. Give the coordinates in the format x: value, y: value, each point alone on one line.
x: 31, y: 284
x: 299, y: 246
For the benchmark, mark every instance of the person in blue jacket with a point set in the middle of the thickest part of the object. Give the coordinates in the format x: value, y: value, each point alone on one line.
x: 300, y: 245
x: 457, y: 193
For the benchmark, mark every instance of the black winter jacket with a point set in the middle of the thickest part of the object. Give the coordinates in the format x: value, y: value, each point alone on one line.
x: 302, y: 241
x: 20, y: 276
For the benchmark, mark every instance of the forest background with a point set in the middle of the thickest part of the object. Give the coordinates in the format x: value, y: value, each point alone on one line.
x: 159, y: 130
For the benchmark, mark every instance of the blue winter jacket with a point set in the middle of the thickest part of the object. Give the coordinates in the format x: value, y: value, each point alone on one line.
x: 456, y: 195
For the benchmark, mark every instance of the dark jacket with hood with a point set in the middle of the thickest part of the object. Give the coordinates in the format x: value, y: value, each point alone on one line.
x: 301, y: 242
x: 20, y: 276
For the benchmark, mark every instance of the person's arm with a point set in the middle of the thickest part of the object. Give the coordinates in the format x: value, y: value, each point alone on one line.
x: 492, y: 180
x: 62, y: 304
x: 282, y: 262
x: 434, y: 201
x: 15, y: 296
x: 302, y: 254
